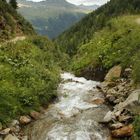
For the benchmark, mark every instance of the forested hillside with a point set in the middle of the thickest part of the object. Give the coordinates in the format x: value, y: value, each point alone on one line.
x: 11, y: 23
x: 83, y: 31
x: 112, y: 45
x: 51, y: 17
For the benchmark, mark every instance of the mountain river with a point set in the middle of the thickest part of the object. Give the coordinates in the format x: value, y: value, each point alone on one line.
x: 75, y: 115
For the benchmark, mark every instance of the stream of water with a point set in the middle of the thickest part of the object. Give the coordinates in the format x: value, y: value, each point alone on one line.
x: 75, y: 116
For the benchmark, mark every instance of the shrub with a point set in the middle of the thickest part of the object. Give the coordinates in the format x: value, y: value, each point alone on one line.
x: 29, y: 76
x: 117, y: 43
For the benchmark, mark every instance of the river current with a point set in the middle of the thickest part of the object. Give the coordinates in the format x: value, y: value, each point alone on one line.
x: 75, y: 116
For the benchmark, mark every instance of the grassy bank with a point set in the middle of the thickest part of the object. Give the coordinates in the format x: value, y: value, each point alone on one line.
x: 117, y: 43
x: 29, y: 76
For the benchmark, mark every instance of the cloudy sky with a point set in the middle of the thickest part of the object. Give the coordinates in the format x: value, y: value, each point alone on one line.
x: 88, y: 2
x: 85, y: 2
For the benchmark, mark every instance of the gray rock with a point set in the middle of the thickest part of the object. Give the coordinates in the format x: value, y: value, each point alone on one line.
x: 108, y: 117
x: 131, y: 103
x: 25, y: 120
x: 25, y: 138
x: 117, y: 101
x: 11, y: 137
x: 124, y: 118
x: 128, y: 70
x: 15, y: 129
x: 118, y: 113
x: 35, y: 115
x: 14, y: 123
x: 0, y: 126
x: 114, y: 72
x: 121, y: 88
x: 116, y: 125
x: 112, y: 91
x: 5, y: 131
x: 110, y: 98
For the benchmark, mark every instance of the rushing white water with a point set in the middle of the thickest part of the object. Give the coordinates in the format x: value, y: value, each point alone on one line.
x: 73, y: 95
x: 75, y: 116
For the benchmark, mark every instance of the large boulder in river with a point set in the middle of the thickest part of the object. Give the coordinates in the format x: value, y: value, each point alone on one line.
x: 113, y: 73
x: 125, y: 131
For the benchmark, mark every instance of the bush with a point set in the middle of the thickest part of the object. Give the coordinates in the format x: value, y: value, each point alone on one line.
x: 136, y: 69
x: 111, y: 46
x: 29, y: 76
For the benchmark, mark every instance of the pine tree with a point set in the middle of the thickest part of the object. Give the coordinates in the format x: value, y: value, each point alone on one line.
x: 13, y: 3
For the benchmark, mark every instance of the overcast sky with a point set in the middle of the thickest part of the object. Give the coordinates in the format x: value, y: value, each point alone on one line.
x: 88, y: 2
x: 85, y: 2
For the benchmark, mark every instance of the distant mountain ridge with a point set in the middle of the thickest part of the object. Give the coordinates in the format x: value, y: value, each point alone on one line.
x: 52, y: 17
x: 94, y: 22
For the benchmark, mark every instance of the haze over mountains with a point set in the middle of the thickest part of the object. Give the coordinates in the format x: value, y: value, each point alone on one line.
x: 52, y: 17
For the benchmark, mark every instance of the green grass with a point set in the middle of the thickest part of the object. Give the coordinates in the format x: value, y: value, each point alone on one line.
x: 136, y: 135
x: 117, y: 43
x: 29, y: 75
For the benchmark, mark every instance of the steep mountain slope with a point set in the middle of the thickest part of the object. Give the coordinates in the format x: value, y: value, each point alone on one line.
x: 112, y: 45
x: 11, y: 23
x: 29, y: 72
x: 51, y: 17
x: 83, y: 31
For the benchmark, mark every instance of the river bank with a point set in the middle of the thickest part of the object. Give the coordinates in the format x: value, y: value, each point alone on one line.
x: 81, y: 112
x: 76, y: 115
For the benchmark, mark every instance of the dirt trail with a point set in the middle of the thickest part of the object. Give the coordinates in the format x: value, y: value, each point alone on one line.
x: 18, y: 38
x: 14, y: 40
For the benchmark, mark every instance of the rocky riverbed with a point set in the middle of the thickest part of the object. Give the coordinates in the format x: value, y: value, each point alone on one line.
x: 123, y: 97
x: 85, y: 110
x: 75, y: 116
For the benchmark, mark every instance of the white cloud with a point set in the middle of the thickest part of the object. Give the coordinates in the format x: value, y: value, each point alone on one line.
x: 78, y: 2
x: 36, y: 0
x: 88, y: 2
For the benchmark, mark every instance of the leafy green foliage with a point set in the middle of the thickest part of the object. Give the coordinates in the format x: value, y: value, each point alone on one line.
x: 13, y: 3
x: 136, y: 69
x: 29, y: 76
x: 136, y: 135
x: 111, y: 46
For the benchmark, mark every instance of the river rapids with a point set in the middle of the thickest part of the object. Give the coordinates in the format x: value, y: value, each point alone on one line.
x: 74, y: 116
